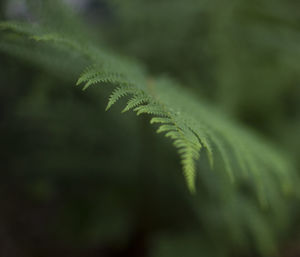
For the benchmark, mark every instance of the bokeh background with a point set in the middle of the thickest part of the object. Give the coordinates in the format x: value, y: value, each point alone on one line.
x: 78, y: 181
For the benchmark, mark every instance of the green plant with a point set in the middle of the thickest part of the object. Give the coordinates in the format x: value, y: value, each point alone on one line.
x: 195, y: 127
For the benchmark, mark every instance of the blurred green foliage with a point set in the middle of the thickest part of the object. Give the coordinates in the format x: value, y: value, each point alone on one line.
x: 77, y: 181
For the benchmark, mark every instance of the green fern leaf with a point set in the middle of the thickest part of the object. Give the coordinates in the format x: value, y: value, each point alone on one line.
x: 193, y: 125
x: 117, y: 94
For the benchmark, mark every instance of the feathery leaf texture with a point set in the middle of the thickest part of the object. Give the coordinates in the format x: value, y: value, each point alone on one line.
x: 193, y: 125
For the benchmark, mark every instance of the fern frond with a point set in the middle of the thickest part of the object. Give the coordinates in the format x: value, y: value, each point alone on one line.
x: 192, y: 124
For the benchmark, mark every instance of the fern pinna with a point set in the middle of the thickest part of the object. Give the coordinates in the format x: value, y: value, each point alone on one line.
x: 192, y: 125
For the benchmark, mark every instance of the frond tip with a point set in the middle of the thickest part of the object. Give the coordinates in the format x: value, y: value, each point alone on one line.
x: 189, y: 171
